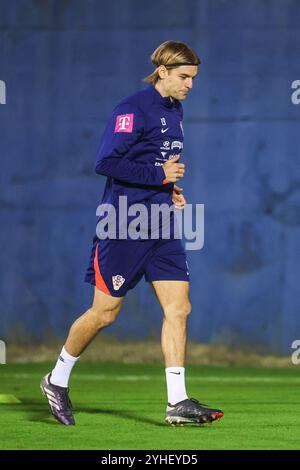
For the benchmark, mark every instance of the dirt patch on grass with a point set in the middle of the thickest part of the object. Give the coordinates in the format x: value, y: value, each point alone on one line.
x: 107, y: 349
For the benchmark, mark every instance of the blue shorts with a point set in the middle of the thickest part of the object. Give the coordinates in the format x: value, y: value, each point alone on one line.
x: 116, y: 266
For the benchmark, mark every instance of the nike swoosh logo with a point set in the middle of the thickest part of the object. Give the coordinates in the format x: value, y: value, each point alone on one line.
x: 164, y: 130
x: 176, y: 373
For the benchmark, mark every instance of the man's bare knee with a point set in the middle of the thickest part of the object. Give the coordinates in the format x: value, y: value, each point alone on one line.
x: 104, y: 316
x: 178, y: 311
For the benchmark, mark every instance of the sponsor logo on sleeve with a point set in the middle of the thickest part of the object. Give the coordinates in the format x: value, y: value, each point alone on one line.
x: 124, y: 123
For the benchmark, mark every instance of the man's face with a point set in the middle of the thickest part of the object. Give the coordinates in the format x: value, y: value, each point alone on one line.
x: 179, y: 81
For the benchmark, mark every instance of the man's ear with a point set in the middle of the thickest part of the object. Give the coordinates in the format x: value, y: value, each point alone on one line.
x: 162, y: 71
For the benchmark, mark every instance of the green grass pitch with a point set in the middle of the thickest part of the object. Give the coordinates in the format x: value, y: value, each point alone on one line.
x: 122, y: 406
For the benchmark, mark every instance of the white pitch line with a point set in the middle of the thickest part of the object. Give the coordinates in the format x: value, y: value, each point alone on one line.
x: 139, y: 378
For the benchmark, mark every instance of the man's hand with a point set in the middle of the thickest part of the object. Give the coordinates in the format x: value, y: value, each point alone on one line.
x: 173, y: 171
x: 178, y: 199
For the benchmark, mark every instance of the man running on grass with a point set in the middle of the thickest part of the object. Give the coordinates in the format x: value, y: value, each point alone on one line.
x: 139, y: 154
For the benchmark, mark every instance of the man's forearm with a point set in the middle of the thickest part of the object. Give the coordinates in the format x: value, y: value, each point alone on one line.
x: 131, y: 172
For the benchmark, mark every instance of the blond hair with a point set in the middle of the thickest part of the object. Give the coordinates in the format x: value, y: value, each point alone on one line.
x: 171, y: 54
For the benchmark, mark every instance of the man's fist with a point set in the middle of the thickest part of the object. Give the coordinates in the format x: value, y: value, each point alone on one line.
x: 174, y: 171
x: 178, y: 198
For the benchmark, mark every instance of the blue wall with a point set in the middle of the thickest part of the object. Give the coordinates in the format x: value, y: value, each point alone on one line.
x: 66, y: 64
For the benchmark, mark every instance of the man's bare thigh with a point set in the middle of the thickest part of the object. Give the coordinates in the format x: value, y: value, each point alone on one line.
x: 171, y: 292
x: 105, y: 301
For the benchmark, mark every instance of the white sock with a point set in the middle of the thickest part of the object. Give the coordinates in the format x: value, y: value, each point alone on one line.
x: 63, y: 368
x: 176, y: 384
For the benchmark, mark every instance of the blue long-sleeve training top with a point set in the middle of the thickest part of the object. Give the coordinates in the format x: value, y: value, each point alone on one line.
x: 145, y: 130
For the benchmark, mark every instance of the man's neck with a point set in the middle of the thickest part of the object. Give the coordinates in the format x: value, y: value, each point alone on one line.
x: 161, y: 91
